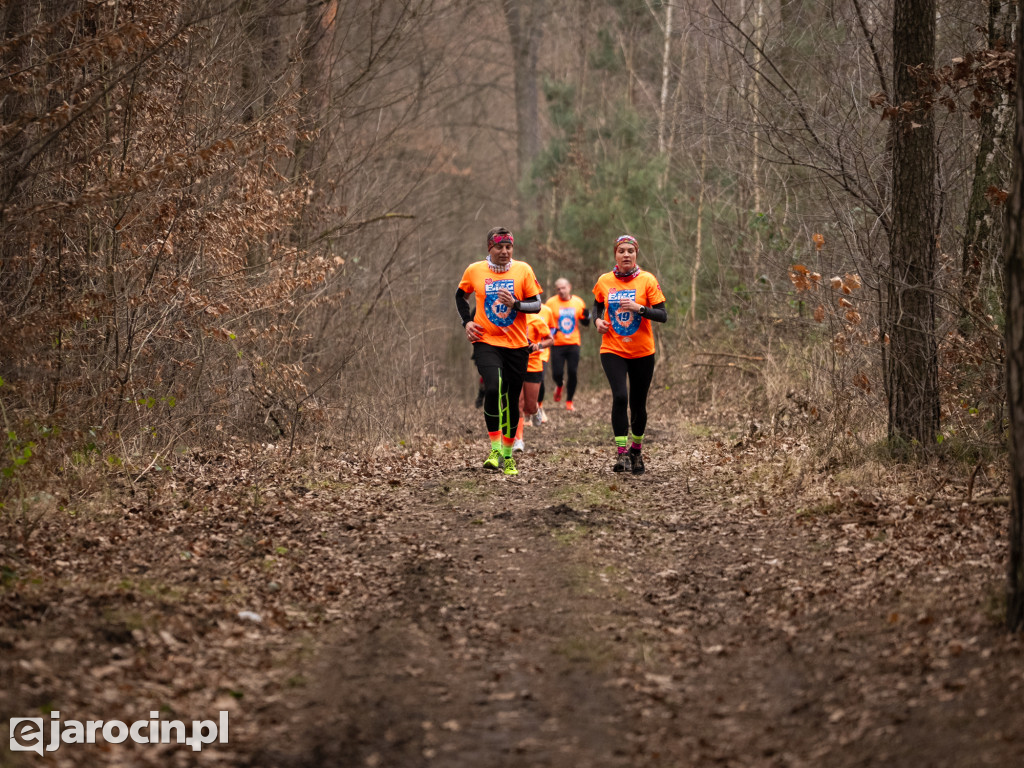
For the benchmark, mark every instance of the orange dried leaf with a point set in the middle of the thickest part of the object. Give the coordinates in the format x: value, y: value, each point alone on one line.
x: 844, y: 303
x: 819, y: 240
x: 996, y: 196
x: 853, y: 316
x: 836, y: 282
x: 819, y: 313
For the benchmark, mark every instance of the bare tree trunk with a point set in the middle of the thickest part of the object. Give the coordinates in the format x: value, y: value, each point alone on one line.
x: 755, y: 100
x: 699, y: 244
x: 912, y: 364
x: 982, y: 226
x: 12, y: 17
x: 525, y: 28
x: 663, y: 100
x: 260, y: 20
x: 1015, y: 357
x: 317, y: 29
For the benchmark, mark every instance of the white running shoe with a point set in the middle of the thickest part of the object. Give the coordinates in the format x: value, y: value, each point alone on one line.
x: 518, y: 446
x: 537, y: 419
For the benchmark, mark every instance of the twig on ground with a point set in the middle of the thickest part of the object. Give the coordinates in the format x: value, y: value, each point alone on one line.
x: 723, y: 365
x: 727, y: 354
x: 970, y: 483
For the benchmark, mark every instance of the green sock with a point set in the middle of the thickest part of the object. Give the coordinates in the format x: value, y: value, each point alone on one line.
x: 637, y: 442
x: 620, y: 442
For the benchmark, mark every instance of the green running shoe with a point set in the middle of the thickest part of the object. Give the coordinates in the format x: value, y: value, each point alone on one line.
x: 493, y: 460
x: 510, y: 466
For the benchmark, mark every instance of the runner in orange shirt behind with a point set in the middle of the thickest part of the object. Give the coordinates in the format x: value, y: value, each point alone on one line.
x: 626, y: 301
x: 570, y: 313
x: 545, y: 355
x: 539, y: 334
x: 506, y: 291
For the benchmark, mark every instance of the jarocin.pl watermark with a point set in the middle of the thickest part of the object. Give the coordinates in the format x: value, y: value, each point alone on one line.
x: 27, y: 733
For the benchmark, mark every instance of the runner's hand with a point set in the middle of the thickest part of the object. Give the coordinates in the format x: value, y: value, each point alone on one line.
x: 602, y: 325
x: 474, y: 331
x: 506, y: 297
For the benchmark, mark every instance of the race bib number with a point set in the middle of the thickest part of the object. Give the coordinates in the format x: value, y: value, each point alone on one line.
x: 497, y: 312
x: 624, y: 322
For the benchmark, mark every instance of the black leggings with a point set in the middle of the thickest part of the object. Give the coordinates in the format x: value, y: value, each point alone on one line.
x: 567, y: 353
x: 510, y: 365
x: 639, y: 371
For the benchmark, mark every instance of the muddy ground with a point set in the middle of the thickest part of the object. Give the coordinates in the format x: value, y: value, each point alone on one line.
x: 743, y: 603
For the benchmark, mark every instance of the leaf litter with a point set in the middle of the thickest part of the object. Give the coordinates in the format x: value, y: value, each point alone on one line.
x: 734, y: 606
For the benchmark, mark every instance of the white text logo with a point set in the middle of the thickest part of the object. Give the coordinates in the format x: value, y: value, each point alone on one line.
x: 27, y: 733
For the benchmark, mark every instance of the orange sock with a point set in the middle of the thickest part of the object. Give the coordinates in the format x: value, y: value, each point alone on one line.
x: 519, y: 429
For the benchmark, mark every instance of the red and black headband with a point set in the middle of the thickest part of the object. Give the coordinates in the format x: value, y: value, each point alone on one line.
x: 498, y: 238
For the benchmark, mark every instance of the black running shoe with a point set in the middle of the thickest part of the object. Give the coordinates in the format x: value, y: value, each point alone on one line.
x: 637, y: 460
x: 622, y: 463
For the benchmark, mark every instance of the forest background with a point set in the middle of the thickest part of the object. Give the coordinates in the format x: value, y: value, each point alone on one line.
x: 245, y: 220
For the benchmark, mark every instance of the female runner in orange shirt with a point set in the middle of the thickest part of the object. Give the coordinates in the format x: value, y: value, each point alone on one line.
x: 633, y: 299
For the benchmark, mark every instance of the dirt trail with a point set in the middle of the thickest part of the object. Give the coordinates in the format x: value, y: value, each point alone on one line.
x: 703, y: 614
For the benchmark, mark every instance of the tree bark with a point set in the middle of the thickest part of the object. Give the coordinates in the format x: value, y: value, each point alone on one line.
x: 983, y: 223
x: 260, y: 20
x: 665, y: 73
x: 318, y: 29
x: 525, y: 28
x: 912, y: 364
x: 1014, y: 246
x: 701, y: 194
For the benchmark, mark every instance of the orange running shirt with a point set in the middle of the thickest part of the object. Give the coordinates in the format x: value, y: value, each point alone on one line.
x: 630, y: 335
x: 536, y: 330
x: 502, y: 326
x: 549, y: 317
x: 569, y: 314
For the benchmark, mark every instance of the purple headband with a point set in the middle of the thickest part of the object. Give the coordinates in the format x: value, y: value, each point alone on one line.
x: 498, y: 239
x: 627, y: 239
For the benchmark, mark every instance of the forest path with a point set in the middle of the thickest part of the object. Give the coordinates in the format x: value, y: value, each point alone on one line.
x: 700, y: 614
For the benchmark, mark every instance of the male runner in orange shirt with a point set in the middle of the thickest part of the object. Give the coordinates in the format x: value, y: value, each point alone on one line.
x: 505, y: 291
x: 570, y: 313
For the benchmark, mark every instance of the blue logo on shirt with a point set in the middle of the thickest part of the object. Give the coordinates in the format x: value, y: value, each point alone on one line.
x: 624, y: 322
x: 567, y: 320
x: 497, y: 312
